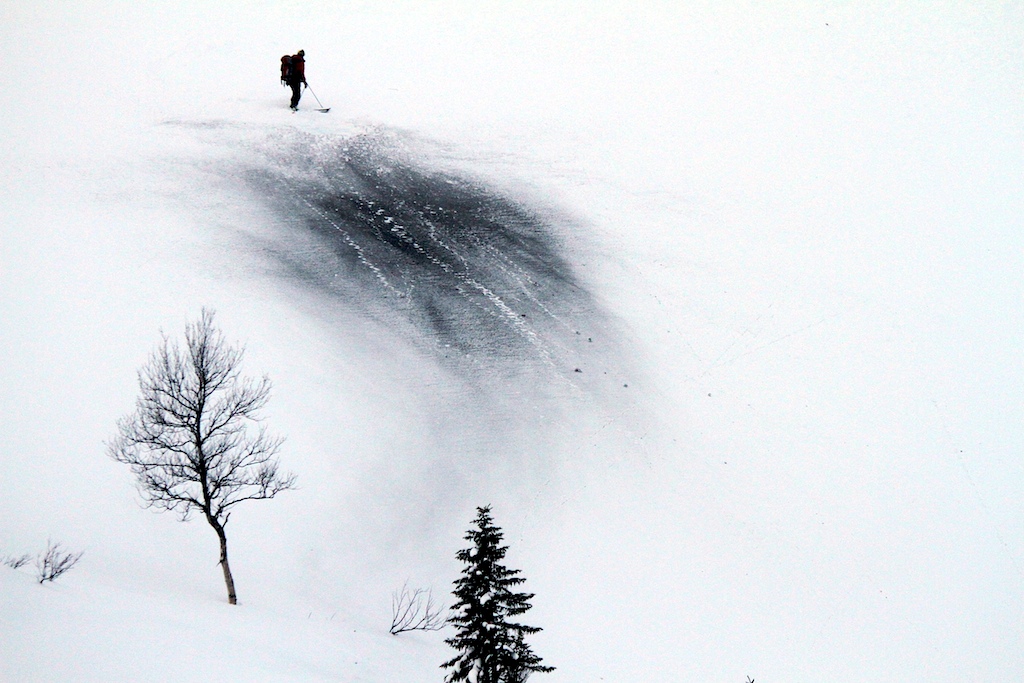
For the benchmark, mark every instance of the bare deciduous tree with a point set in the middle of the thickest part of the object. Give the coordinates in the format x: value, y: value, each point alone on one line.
x: 195, y: 441
x: 54, y: 561
x: 414, y: 610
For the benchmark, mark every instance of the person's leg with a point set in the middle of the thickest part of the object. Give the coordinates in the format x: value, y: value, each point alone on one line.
x: 296, y: 94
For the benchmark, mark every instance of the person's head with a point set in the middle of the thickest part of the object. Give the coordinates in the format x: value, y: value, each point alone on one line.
x: 302, y: 53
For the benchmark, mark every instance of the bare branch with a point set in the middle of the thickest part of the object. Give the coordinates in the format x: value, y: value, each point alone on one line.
x: 54, y: 561
x: 414, y: 610
x: 17, y: 562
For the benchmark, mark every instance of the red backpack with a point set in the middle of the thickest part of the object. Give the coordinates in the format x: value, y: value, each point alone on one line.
x: 286, y: 68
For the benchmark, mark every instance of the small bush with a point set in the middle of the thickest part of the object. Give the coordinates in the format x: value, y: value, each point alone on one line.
x: 414, y: 610
x: 54, y: 561
x: 17, y: 562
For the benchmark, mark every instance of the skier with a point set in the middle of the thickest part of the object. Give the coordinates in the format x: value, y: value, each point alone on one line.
x: 297, y: 77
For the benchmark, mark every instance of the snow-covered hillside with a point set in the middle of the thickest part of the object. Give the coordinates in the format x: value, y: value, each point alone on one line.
x: 719, y: 305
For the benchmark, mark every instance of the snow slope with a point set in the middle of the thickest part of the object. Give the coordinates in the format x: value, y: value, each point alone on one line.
x: 792, y: 233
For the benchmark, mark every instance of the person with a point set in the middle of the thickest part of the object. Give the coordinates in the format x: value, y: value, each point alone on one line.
x: 297, y: 77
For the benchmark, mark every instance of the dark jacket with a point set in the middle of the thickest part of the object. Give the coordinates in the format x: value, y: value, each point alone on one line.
x: 298, y: 74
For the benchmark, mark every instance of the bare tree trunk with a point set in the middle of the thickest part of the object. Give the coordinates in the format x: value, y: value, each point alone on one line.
x: 229, y: 581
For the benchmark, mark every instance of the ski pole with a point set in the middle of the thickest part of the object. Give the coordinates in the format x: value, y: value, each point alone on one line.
x: 316, y: 98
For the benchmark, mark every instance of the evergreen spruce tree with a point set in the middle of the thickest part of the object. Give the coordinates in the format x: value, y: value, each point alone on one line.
x: 491, y: 649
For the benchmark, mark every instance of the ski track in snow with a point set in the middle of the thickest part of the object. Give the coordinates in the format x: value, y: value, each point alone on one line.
x: 462, y: 275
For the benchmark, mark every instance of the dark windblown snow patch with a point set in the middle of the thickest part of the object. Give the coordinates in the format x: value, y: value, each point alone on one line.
x: 437, y: 255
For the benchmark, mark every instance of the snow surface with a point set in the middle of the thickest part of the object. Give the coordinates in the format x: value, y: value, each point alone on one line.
x: 796, y: 229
